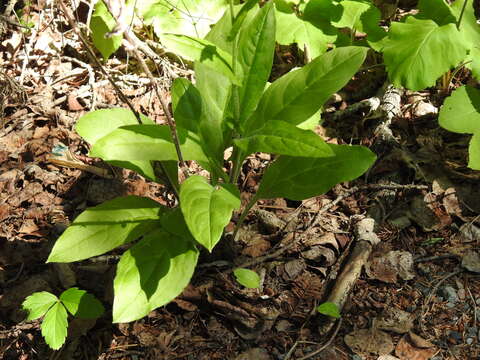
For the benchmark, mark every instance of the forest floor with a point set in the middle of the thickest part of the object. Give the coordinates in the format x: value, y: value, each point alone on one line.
x: 417, y: 297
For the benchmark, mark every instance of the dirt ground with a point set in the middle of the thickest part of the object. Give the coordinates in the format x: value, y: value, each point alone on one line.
x: 416, y: 298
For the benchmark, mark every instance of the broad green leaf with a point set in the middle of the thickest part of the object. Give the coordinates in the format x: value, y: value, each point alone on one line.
x: 256, y: 45
x: 313, y: 34
x: 81, y: 304
x: 290, y: 98
x: 412, y: 51
x: 329, y: 309
x: 460, y: 113
x: 207, y: 209
x: 187, y: 104
x: 38, y: 304
x: 301, y: 178
x: 282, y: 138
x: 151, y: 274
x: 201, y: 50
x: 174, y: 222
x: 146, y: 142
x: 474, y: 152
x: 436, y: 10
x: 102, y: 23
x: 188, y: 17
x: 360, y: 16
x: 470, y: 29
x: 247, y: 278
x: 96, y: 124
x: 215, y: 90
x: 223, y: 33
x: 106, y: 226
x: 54, y: 326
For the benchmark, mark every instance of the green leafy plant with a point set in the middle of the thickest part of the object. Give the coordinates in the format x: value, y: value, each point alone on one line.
x: 54, y: 326
x: 329, y: 309
x: 247, y: 278
x: 461, y: 114
x: 229, y: 106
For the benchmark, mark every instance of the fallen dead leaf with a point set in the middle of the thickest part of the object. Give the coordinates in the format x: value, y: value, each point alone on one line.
x: 258, y: 246
x: 407, y: 351
x: 369, y: 341
x: 468, y: 233
x: 387, y: 267
x: 254, y: 354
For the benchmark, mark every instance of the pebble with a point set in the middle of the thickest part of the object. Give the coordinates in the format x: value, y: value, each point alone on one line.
x: 356, y: 357
x: 449, y: 294
x: 469, y: 341
x: 455, y: 335
x: 472, y: 331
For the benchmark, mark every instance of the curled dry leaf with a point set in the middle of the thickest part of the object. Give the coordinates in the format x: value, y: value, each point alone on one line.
x: 406, y: 349
x: 320, y: 254
x: 387, y: 267
x: 364, y: 229
x: 369, y: 341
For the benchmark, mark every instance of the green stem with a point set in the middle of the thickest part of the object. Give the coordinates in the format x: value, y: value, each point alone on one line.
x: 244, y: 214
x: 461, y: 14
x: 237, y: 160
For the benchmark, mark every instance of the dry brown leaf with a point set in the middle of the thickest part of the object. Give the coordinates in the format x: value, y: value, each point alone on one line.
x: 406, y: 351
x: 28, y: 227
x: 471, y: 261
x: 387, y: 267
x: 257, y: 247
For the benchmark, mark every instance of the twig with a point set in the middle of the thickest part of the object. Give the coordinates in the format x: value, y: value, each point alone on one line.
x: 438, y: 257
x: 323, y: 347
x: 93, y: 57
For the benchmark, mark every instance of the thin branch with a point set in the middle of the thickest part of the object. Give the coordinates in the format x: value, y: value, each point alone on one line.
x: 93, y: 58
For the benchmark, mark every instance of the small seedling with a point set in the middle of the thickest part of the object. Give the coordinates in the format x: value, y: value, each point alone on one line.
x: 54, y: 326
x: 329, y: 309
x: 247, y: 278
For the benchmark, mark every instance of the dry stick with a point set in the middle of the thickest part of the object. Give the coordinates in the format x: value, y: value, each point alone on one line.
x: 93, y: 57
x: 323, y: 347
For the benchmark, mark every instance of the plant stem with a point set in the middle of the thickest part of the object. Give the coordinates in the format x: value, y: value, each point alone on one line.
x: 166, y: 111
x: 244, y: 214
x: 459, y: 21
x: 237, y: 158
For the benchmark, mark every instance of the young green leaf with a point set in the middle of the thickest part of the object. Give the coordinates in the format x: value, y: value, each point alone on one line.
x: 290, y: 97
x: 187, y: 104
x: 300, y: 178
x: 329, y: 309
x: 411, y: 52
x: 215, y: 89
x: 147, y: 142
x: 436, y: 10
x: 256, y: 45
x: 247, y: 278
x: 313, y: 34
x: 106, y: 226
x: 207, y: 209
x: 38, y: 304
x: 151, y: 274
x: 282, y: 138
x: 54, y: 326
x: 102, y: 23
x: 194, y: 49
x: 187, y: 17
x: 81, y: 304
x: 460, y: 113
